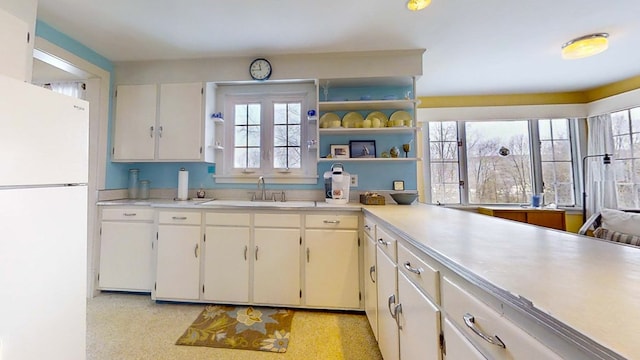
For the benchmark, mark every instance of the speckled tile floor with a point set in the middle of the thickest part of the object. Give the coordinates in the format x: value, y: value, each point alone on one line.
x: 130, y: 326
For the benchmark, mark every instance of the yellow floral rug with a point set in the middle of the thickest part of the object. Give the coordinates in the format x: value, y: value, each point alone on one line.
x: 240, y: 327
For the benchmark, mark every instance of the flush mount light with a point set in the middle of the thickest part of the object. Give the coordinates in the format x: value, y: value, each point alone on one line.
x: 416, y: 5
x: 585, y: 46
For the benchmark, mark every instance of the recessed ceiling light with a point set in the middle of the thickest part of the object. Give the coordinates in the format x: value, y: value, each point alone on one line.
x: 416, y: 5
x: 585, y: 46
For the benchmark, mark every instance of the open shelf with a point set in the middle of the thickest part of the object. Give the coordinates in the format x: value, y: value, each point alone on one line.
x: 367, y: 105
x: 382, y: 130
x: 378, y: 159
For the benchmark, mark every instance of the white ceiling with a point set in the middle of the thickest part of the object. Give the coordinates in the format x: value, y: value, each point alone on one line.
x: 472, y: 47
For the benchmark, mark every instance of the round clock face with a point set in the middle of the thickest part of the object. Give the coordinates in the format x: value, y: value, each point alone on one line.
x: 260, y: 69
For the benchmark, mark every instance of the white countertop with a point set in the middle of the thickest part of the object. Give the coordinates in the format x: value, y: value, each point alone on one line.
x: 590, y: 285
x: 204, y: 204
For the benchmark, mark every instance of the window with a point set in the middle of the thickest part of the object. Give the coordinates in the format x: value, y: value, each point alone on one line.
x: 626, y: 139
x: 267, y: 133
x: 501, y: 162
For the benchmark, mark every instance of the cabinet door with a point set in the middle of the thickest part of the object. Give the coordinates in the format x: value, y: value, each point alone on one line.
x: 180, y: 122
x: 457, y: 347
x: 125, y: 256
x: 226, y: 264
x: 276, y: 270
x: 370, y: 287
x: 178, y: 262
x: 331, y: 268
x: 135, y: 124
x: 387, y: 299
x: 15, y: 54
x: 419, y: 323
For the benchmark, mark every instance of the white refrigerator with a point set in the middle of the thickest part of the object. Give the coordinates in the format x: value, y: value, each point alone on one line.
x: 43, y: 223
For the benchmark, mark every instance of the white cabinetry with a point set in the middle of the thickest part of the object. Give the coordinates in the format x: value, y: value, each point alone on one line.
x: 14, y: 37
x: 276, y: 254
x: 388, y: 339
x: 370, y: 274
x: 332, y: 261
x: 162, y: 123
x: 418, y: 321
x: 178, y: 255
x: 486, y: 328
x: 226, y: 257
x: 126, y: 239
x: 457, y: 347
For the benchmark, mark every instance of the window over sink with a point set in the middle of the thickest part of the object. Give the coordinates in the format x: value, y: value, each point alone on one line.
x: 266, y: 132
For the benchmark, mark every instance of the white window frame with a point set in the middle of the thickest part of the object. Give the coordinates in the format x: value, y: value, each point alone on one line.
x: 267, y: 95
x: 534, y: 143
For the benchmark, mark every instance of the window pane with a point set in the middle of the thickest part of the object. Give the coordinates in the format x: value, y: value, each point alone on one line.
x: 253, y: 136
x: 545, y: 129
x: 241, y: 114
x: 565, y: 194
x: 620, y: 122
x: 635, y: 139
x: 622, y: 145
x: 294, y: 158
x: 564, y: 172
x: 443, y: 131
x: 280, y: 158
x: 253, y: 158
x: 279, y: 113
x: 240, y: 138
x: 294, y: 135
x: 280, y: 135
x: 294, y: 113
x: 444, y: 151
x: 254, y: 114
x: 635, y: 120
x: 546, y: 150
x: 494, y: 178
x: 627, y: 195
x: 560, y: 128
x: 240, y: 158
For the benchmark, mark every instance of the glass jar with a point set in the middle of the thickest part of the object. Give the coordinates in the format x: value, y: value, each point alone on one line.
x: 144, y: 189
x: 133, y: 183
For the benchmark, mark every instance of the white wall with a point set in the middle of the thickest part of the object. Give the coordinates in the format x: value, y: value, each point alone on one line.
x: 403, y: 63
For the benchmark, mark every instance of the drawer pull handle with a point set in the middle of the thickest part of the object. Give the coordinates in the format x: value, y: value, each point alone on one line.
x: 367, y: 227
x: 257, y: 253
x: 398, y: 311
x: 308, y: 255
x: 470, y: 321
x: 246, y: 248
x: 195, y: 251
x: 179, y: 218
x: 331, y: 221
x: 407, y: 265
x: 392, y: 300
x: 372, y: 269
x: 384, y: 242
x: 129, y: 214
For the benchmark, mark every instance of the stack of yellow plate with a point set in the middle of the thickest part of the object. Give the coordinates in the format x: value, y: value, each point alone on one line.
x: 330, y: 120
x: 376, y: 119
x: 352, y: 120
x: 400, y: 118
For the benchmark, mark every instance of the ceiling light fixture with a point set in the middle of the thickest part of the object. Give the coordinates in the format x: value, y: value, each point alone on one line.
x: 417, y: 5
x: 585, y: 46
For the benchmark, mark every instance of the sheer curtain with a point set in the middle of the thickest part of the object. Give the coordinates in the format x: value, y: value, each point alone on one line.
x: 600, y: 178
x: 70, y: 88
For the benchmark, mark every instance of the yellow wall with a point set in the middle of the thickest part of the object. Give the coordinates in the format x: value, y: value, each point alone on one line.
x: 576, y: 97
x: 573, y: 222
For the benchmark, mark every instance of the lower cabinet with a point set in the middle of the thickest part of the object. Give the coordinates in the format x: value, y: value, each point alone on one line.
x: 456, y: 346
x: 388, y: 337
x: 370, y: 274
x: 126, y: 240
x: 178, y: 255
x: 332, y: 277
x: 226, y: 264
x: 418, y: 321
x: 276, y: 267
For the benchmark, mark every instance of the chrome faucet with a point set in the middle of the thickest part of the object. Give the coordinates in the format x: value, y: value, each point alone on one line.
x: 262, y: 188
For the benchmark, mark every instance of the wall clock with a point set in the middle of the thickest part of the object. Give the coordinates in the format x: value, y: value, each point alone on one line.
x: 260, y: 69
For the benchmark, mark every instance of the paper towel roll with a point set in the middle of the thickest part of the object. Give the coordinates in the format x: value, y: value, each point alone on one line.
x: 183, y: 184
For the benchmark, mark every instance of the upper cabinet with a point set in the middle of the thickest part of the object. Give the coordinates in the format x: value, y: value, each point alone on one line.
x: 162, y: 123
x: 15, y: 39
x: 381, y: 109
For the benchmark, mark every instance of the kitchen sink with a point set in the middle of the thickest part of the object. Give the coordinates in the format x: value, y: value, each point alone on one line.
x: 265, y: 204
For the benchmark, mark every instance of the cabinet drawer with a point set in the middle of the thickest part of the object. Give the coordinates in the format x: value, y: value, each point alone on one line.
x: 277, y: 220
x: 130, y: 213
x: 418, y: 271
x: 332, y: 221
x: 179, y: 217
x: 226, y: 219
x: 369, y: 228
x: 459, y: 304
x: 386, y: 243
